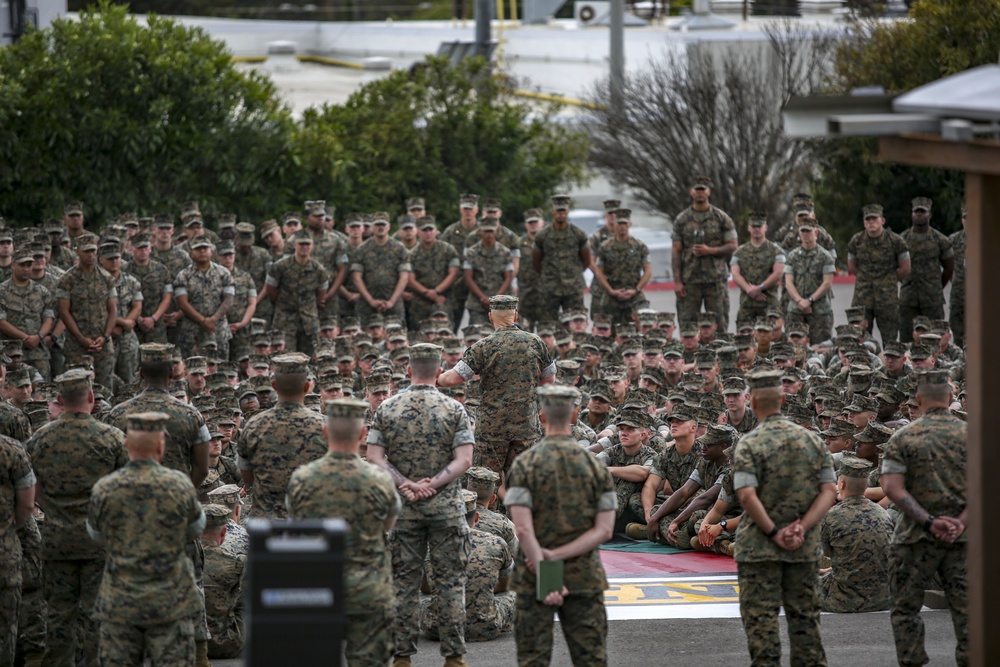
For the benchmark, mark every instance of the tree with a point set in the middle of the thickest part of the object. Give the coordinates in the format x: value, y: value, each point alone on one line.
x: 717, y: 114
x: 941, y: 37
x: 438, y: 131
x: 125, y: 116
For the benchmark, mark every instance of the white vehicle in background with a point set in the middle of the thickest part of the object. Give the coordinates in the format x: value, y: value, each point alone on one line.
x: 659, y: 241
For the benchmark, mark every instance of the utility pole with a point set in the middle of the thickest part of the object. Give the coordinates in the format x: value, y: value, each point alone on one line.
x: 484, y: 9
x: 616, y: 54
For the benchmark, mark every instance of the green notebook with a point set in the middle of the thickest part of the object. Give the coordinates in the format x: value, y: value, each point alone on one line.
x: 549, y: 578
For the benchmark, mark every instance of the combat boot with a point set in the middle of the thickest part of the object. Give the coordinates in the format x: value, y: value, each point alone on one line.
x: 201, y: 654
x: 725, y: 547
x: 455, y: 661
x: 401, y: 661
x: 636, y: 531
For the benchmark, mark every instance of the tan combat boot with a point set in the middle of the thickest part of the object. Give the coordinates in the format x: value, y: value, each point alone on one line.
x: 637, y: 531
x: 455, y: 661
x: 401, y: 661
x: 201, y: 654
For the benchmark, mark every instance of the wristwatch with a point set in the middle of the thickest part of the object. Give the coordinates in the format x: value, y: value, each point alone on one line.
x: 724, y: 524
x: 809, y: 299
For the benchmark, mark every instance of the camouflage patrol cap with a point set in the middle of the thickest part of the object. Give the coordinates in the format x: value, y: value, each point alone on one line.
x: 380, y: 217
x: 228, y: 494
x: 797, y: 329
x: 163, y: 220
x: 53, y: 226
x: 839, y: 428
x: 718, y: 434
x: 782, y: 351
x: 425, y: 222
x: 872, y: 211
x: 147, y: 422
x: 744, y: 341
x: 861, y: 403
x: 302, y: 236
x: 673, y: 349
x: 533, y: 215
x: 612, y: 205
x: 346, y: 408
x: 422, y: 351
x: 216, y: 516
x: 503, y: 302
x: 921, y: 204
x: 852, y: 466
x: 764, y: 378
x: 932, y: 377
x: 349, y: 323
x: 623, y: 215
x: 141, y: 240
x: 469, y: 498
x: 415, y: 202
x: 701, y: 183
x: 919, y: 352
x: 292, y: 363
x: 201, y: 241
x: 479, y: 478
x: 23, y: 255
x: 707, y: 319
x: 314, y: 207
x: 600, y: 389
x: 762, y: 324
x: 19, y: 377
x: 74, y: 380
x: 756, y: 219
x: 559, y: 394
x: 469, y: 201
x: 874, y: 432
x: 734, y: 385
x: 684, y: 413
x: 612, y: 372
x: 940, y: 327
x: 268, y: 227
x: 86, y: 242
x: 227, y: 220
x: 244, y: 233
x: 73, y: 207
x: 225, y: 247
x: 922, y: 323
x: 156, y: 352
x: 196, y: 365
x: 634, y: 418
x: 705, y: 359
x: 561, y: 202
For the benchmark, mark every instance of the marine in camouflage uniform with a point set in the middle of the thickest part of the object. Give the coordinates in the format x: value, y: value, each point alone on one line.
x: 510, y: 364
x: 223, y: 587
x: 129, y: 294
x: 156, y: 281
x: 69, y: 455
x: 877, y: 260
x: 929, y: 455
x: 456, y: 235
x: 790, y: 470
x: 627, y: 493
x: 329, y: 249
x: 13, y: 423
x: 16, y: 477
x: 595, y: 240
x: 418, y: 434
x: 623, y: 262
x: 295, y: 285
x: 855, y: 536
x: 754, y: 262
x: 31, y: 617
x: 209, y: 290
x: 956, y: 308
x: 491, y: 269
x: 560, y: 255
x: 932, y: 264
x: 277, y: 441
x: 379, y: 268
x: 237, y: 541
x: 342, y: 485
x: 244, y: 289
x: 703, y: 278
x: 529, y: 287
x: 568, y: 492
x: 431, y: 265
x: 87, y: 296
x: 30, y: 308
x: 255, y: 261
x: 805, y: 271
x: 145, y: 515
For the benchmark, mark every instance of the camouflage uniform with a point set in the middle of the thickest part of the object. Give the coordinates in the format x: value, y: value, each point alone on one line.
x: 956, y: 310
x: 25, y: 308
x: 62, y: 257
x: 330, y: 250
x: 257, y: 261
x: 756, y: 264
x: 244, y: 289
x: 748, y: 423
x: 565, y: 487
x: 237, y: 541
x: 456, y: 235
x: 931, y: 454
x: 364, y: 496
x: 15, y: 475
x: 273, y: 444
x: 88, y: 293
x: 510, y: 364
x: 380, y: 267
x: 430, y: 267
x: 876, y: 287
x: 176, y: 260
x: 296, y: 311
x: 807, y: 269
x: 628, y: 493
x: 69, y: 455
x: 127, y: 344
x: 855, y: 536
x: 155, y: 280
x: 498, y: 524
x: 562, y: 273
x: 529, y: 288
x: 487, y: 614
x: 597, y: 293
x: 705, y: 277
x: 921, y: 292
x: 419, y: 429
x: 33, y: 610
x: 488, y: 267
x: 706, y: 474
x: 14, y: 423
x: 788, y: 238
x: 146, y: 514
x: 205, y: 291
x: 623, y: 263
x: 223, y: 600
x: 786, y: 465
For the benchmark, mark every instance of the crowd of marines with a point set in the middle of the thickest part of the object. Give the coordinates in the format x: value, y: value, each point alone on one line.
x: 160, y: 388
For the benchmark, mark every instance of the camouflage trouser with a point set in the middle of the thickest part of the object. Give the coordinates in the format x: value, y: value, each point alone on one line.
x: 820, y: 323
x: 628, y: 500
x: 104, y: 364
x: 240, y: 344
x: 911, y: 567
x: 167, y: 645
x: 910, y: 311
x: 764, y: 588
x: 230, y: 643
x: 881, y: 307
x: 956, y: 313
x: 196, y: 552
x: 476, y: 630
x: 697, y: 518
x: 10, y: 600
x: 530, y: 308
x: 843, y: 597
x: 127, y: 357
x: 265, y: 309
x: 366, y: 312
x: 70, y: 591
x: 299, y: 340
x: 369, y: 638
x: 158, y: 334
x: 715, y: 298
x: 619, y: 312
x: 550, y: 304
x: 420, y: 309
x: 497, y: 454
x: 31, y: 615
x: 584, y: 624
x: 39, y: 359
x: 446, y: 543
x: 751, y: 311
x: 190, y: 337
x: 597, y: 298
x: 476, y: 313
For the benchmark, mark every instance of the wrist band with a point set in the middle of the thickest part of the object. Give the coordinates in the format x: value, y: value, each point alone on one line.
x: 928, y: 522
x: 774, y: 531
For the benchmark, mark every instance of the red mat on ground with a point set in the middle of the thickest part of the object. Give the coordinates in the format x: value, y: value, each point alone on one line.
x: 617, y: 563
